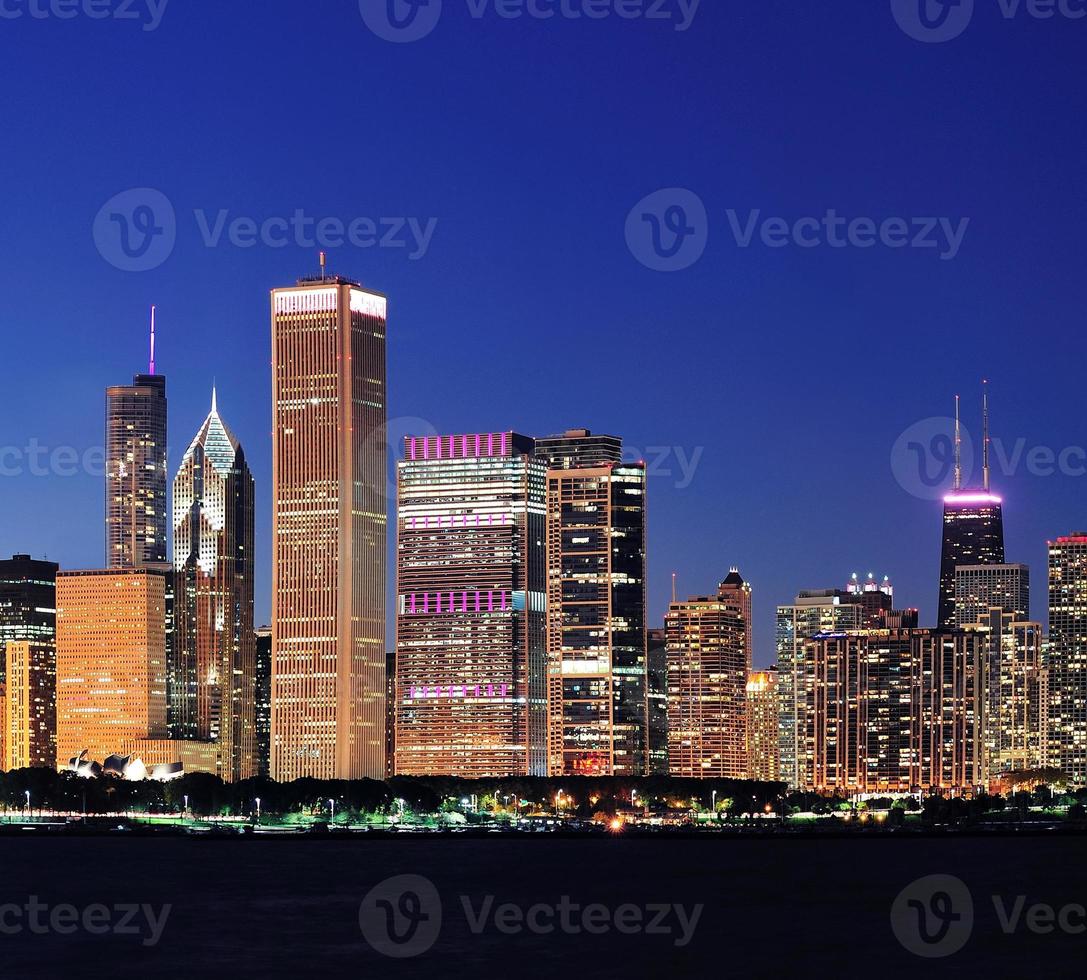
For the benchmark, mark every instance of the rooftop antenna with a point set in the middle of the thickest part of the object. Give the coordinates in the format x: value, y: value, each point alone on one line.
x: 152, y: 364
x: 985, y: 415
x: 958, y: 447
x: 324, y: 262
x: 673, y: 588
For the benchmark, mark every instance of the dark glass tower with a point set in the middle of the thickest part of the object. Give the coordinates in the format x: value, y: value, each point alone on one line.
x: 28, y: 601
x: 136, y: 517
x: 579, y: 447
x: 973, y: 525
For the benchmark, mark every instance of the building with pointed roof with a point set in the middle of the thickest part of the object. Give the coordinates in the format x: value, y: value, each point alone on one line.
x: 212, y: 675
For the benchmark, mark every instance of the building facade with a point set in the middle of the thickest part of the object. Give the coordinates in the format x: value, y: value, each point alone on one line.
x: 815, y: 611
x: 263, y: 685
x: 762, y: 725
x: 30, y: 716
x: 657, y: 700
x: 596, y: 626
x: 709, y: 662
x: 111, y: 661
x: 895, y: 711
x: 136, y: 477
x: 329, y: 529
x: 213, y: 681
x: 1068, y: 656
x: 471, y: 681
x: 579, y: 447
x: 28, y: 603
x: 973, y: 535
x: 979, y: 588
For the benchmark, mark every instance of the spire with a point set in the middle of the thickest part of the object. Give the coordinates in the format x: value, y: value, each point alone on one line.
x: 985, y: 416
x: 958, y: 447
x: 214, y: 399
x: 152, y: 362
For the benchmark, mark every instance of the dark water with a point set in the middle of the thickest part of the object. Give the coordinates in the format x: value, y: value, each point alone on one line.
x: 773, y: 907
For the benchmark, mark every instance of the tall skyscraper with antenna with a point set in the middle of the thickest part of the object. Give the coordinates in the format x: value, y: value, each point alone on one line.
x: 136, y: 515
x: 973, y: 522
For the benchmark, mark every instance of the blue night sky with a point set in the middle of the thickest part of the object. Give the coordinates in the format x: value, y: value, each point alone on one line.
x: 788, y: 373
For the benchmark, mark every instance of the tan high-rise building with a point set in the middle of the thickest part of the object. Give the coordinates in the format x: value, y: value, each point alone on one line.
x: 709, y: 659
x: 30, y: 718
x: 762, y: 725
x: 111, y: 660
x: 330, y: 514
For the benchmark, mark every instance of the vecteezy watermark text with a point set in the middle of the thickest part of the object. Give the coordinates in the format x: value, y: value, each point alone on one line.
x: 668, y: 231
x: 411, y: 20
x: 41, y: 919
x: 148, y: 12
x: 937, y: 21
x: 136, y: 230
x: 402, y: 917
x: 37, y: 460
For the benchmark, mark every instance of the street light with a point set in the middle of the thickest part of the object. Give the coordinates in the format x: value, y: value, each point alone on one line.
x: 27, y: 804
x: 332, y: 803
x: 713, y: 806
x: 633, y: 793
x: 258, y: 809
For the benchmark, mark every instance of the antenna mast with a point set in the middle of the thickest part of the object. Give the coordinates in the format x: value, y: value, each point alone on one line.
x: 958, y: 447
x: 985, y: 414
x: 152, y: 364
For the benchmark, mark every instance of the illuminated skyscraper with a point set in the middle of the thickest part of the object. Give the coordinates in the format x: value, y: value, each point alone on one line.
x: 264, y: 700
x: 136, y: 512
x: 596, y: 638
x: 894, y: 711
x: 329, y: 531
x: 1068, y: 656
x: 213, y: 689
x: 709, y: 661
x: 813, y: 612
x: 30, y: 738
x: 111, y: 661
x: 973, y: 526
x: 471, y: 680
x: 657, y: 698
x: 579, y: 447
x: 1015, y: 719
x: 28, y: 603
x: 762, y: 725
x: 979, y: 588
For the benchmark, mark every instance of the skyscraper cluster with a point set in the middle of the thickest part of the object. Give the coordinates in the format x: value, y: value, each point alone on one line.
x: 522, y: 640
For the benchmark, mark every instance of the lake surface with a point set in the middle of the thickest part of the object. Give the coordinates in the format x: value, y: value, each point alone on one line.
x: 772, y: 907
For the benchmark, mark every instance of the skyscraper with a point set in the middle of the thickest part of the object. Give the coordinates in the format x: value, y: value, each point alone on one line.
x: 111, y: 661
x: 471, y: 679
x: 136, y: 512
x: 657, y: 698
x: 762, y: 725
x: 264, y: 700
x: 814, y: 611
x: 28, y: 603
x: 979, y: 588
x: 213, y: 681
x: 1068, y: 656
x: 579, y: 447
x: 894, y: 711
x: 30, y: 717
x: 596, y: 635
x: 709, y: 660
x: 329, y: 530
x: 973, y: 525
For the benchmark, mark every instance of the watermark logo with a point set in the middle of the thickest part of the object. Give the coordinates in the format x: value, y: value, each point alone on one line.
x: 402, y: 916
x: 933, y: 21
x: 401, y: 21
x: 933, y: 917
x: 668, y: 231
x: 136, y: 230
x: 148, y: 12
x: 923, y: 458
x: 38, y: 918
